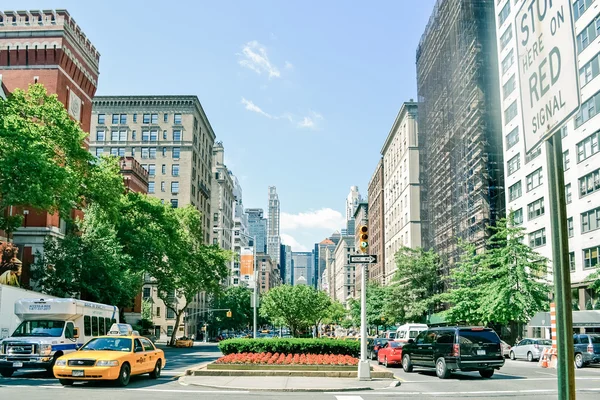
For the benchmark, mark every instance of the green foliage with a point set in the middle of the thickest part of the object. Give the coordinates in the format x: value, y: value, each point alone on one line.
x: 91, y: 264
x: 291, y: 346
x: 335, y: 314
x: 377, y: 305
x: 237, y: 299
x: 297, y: 307
x: 43, y: 163
x: 412, y: 295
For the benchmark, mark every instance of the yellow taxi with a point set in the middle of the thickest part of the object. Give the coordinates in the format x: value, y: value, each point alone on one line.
x: 116, y: 356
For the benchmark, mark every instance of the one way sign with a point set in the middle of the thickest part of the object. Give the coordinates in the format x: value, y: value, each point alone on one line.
x: 365, y: 259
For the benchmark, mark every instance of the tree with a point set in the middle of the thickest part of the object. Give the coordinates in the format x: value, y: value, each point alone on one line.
x: 42, y: 158
x: 236, y: 299
x: 377, y: 300
x: 412, y: 295
x: 297, y: 307
x: 89, y: 264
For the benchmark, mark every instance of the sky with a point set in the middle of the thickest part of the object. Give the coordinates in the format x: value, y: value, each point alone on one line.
x: 301, y: 93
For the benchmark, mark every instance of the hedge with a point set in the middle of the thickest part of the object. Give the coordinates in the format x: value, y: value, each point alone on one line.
x: 291, y: 346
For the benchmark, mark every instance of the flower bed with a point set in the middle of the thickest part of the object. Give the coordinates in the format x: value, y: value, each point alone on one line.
x: 286, y: 359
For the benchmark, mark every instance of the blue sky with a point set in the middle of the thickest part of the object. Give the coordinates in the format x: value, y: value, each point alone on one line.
x: 302, y: 93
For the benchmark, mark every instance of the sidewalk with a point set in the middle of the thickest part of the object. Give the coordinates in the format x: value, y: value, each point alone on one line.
x: 286, y: 383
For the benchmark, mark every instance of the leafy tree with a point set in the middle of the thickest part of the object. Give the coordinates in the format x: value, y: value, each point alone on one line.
x: 297, y: 307
x: 42, y: 158
x: 90, y: 264
x: 335, y: 314
x: 237, y: 299
x: 377, y: 305
x: 412, y: 295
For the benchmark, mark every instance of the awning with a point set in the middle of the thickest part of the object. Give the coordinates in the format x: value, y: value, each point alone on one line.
x: 581, y: 319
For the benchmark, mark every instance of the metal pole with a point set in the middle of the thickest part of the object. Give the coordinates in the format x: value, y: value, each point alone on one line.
x: 255, y: 294
x: 560, y: 265
x: 364, y: 366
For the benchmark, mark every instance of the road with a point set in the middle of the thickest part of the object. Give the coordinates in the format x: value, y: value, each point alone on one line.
x: 517, y: 380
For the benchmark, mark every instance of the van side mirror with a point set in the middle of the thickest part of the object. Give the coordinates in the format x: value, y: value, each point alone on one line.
x: 411, y: 341
x: 75, y: 333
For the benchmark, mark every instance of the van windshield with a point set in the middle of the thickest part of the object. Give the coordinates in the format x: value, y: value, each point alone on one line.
x: 413, y: 334
x: 42, y: 328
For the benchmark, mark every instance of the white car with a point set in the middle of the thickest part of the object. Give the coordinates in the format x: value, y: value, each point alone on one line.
x: 530, y: 349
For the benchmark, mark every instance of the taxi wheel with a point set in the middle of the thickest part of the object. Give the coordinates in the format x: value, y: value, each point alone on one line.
x: 124, y: 375
x: 155, y: 374
x: 66, y: 382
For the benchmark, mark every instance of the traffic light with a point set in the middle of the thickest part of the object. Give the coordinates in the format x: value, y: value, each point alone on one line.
x: 229, y: 314
x: 363, y: 238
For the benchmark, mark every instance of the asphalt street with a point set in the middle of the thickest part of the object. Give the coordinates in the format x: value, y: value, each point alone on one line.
x: 517, y: 380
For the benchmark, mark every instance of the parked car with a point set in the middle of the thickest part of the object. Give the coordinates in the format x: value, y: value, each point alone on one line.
x: 505, y: 349
x: 529, y: 348
x: 373, y: 346
x: 390, y: 353
x: 451, y: 349
x: 587, y: 349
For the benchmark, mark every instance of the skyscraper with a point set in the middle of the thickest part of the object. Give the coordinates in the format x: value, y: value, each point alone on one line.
x: 459, y: 124
x: 257, y: 227
x: 352, y: 202
x: 303, y: 262
x: 273, y: 238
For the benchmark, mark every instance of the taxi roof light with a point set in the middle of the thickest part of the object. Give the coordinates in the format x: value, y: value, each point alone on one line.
x: 122, y: 330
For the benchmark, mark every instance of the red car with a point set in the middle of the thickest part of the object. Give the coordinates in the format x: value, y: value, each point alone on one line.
x: 390, y: 353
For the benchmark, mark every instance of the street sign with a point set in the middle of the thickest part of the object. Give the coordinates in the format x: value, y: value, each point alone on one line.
x: 366, y: 259
x: 547, y: 68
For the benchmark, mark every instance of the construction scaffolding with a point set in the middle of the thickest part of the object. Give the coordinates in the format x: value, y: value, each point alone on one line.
x: 460, y: 127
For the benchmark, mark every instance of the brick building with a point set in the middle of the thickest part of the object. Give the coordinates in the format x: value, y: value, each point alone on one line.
x: 47, y: 47
x: 376, y: 224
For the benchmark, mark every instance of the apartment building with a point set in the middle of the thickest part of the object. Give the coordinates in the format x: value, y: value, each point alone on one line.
x: 221, y: 200
x: 344, y: 272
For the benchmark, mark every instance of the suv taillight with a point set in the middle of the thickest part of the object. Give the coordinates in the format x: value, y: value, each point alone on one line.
x: 455, y: 350
x: 590, y: 348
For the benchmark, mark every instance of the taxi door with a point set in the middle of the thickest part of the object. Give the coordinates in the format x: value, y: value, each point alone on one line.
x: 151, y: 355
x: 138, y: 364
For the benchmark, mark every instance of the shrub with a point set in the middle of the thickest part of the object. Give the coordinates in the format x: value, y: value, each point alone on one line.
x: 291, y: 346
x: 283, y: 359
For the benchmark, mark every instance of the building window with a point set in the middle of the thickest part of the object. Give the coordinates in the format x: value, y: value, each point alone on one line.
x: 133, y: 135
x: 506, y: 37
x: 164, y: 151
x: 216, y: 217
x: 176, y: 152
x: 123, y: 119
x: 145, y: 153
x: 166, y: 117
x: 566, y: 160
x: 146, y: 294
x: 568, y: 195
x: 588, y: 34
x: 587, y: 111
x: 215, y: 241
x: 504, y: 13
x: 115, y: 119
x: 590, y: 257
x: 101, y: 119
x: 162, y: 187
x: 174, y: 203
x: 518, y: 217
x: 535, y: 209
x: 534, y: 179
x: 114, y: 151
x: 587, y: 147
x: 164, y: 169
x: 174, y: 187
x: 177, y: 135
x: 133, y: 152
x: 514, y: 164
x: 570, y: 227
x: 589, y: 183
x: 509, y: 86
x: 146, y: 118
x: 533, y: 154
x: 165, y: 135
x: 175, y: 170
x: 589, y: 71
x: 564, y: 132
x: 134, y: 117
x: 123, y: 135
x: 537, y: 238
x: 508, y: 61
x: 121, y: 152
x: 572, y: 261
x: 100, y: 135
x: 177, y: 119
x: 510, y: 113
x: 514, y: 192
x: 153, y: 135
x: 99, y: 151
x: 114, y: 136
x: 154, y: 118
x: 579, y: 7
x: 512, y: 138
x: 152, y: 169
x: 170, y: 313
x: 145, y: 136
x: 152, y: 152
x: 590, y: 220
x: 150, y: 187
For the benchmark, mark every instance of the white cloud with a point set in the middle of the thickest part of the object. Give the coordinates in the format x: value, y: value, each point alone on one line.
x: 289, y: 240
x: 254, y: 57
x: 289, y: 65
x: 250, y: 106
x: 310, y: 122
x: 325, y: 218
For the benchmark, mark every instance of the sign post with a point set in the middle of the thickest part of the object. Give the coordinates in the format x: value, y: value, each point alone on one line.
x: 548, y: 81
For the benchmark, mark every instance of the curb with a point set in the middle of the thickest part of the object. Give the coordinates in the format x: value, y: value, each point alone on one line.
x: 226, y: 388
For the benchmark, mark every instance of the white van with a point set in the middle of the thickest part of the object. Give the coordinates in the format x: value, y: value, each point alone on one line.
x: 50, y: 328
x: 408, y: 331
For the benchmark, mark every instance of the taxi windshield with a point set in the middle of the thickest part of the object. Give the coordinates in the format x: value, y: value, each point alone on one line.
x: 109, y: 344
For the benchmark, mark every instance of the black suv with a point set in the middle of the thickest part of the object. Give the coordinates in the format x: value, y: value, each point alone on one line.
x: 451, y: 349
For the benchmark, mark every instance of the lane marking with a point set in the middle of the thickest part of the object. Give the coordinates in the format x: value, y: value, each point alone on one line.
x: 189, y: 391
x: 482, y: 392
x: 348, y: 398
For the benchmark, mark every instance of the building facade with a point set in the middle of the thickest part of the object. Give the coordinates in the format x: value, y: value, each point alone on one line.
x: 135, y: 177
x: 273, y: 238
x: 47, y: 47
x: 376, y: 224
x: 222, y: 201
x: 526, y: 174
x: 321, y: 264
x: 285, y: 265
x: 303, y: 266
x: 459, y: 125
x: 257, y: 227
x: 241, y: 234
x: 345, y: 273
x: 268, y: 271
x: 401, y: 187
